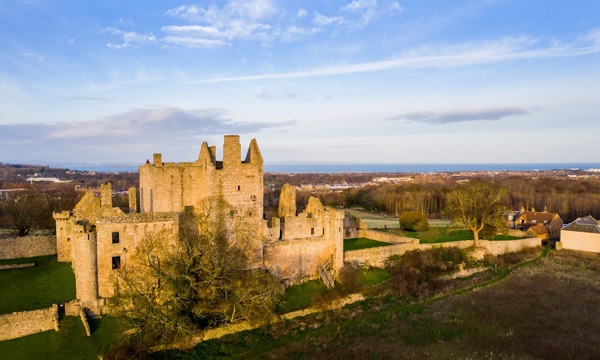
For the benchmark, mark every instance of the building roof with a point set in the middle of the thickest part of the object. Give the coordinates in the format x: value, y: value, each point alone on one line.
x: 538, y: 229
x: 584, y: 224
x: 533, y: 217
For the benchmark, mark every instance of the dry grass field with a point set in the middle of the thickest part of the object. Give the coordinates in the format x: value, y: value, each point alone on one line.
x: 544, y: 310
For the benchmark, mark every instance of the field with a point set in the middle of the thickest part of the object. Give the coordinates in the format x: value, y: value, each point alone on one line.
x: 362, y: 243
x: 530, y: 314
x: 68, y: 343
x: 36, y: 287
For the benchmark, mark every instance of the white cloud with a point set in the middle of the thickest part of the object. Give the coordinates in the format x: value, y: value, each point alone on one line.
x: 130, y: 38
x: 395, y: 7
x: 358, y: 5
x: 436, y: 56
x: 123, y: 135
x: 322, y: 20
x: 212, y: 25
x: 302, y: 13
x: 456, y: 116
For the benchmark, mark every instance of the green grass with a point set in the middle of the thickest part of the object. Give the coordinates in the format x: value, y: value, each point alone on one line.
x: 38, y: 287
x: 441, y: 235
x: 373, y: 276
x: 362, y: 243
x: 70, y: 342
x: 300, y: 296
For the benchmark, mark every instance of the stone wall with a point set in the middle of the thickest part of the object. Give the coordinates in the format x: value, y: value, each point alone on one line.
x: 27, y: 246
x: 295, y: 259
x: 382, y: 236
x: 376, y: 256
x: 507, y: 246
x: 24, y: 323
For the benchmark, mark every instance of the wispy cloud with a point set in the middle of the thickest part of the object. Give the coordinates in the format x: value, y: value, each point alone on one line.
x: 130, y: 39
x: 216, y: 26
x: 456, y: 116
x: 125, y: 132
x: 467, y: 54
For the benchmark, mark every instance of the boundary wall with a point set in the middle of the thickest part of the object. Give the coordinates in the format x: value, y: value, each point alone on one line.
x: 27, y: 246
x: 25, y: 323
x: 385, y: 237
x: 377, y: 256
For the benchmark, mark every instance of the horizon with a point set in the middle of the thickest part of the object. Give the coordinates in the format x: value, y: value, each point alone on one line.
x: 359, y: 81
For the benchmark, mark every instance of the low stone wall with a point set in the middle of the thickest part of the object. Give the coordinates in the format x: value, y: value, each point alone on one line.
x: 27, y: 246
x: 508, y: 246
x: 16, y: 266
x: 376, y: 256
x: 24, y: 323
x: 86, y: 324
x: 385, y: 237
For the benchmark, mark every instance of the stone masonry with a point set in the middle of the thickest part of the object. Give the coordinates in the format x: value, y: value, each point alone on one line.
x: 98, y: 238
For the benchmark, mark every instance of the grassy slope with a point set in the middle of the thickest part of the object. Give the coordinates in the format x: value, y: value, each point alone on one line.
x: 362, y: 243
x: 531, y: 314
x: 36, y: 287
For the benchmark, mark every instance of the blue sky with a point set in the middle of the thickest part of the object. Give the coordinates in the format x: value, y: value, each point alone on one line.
x: 363, y: 81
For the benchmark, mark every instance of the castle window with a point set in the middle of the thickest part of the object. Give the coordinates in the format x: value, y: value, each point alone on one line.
x: 323, y: 231
x: 239, y: 187
x: 116, y: 262
x: 312, y: 231
x: 231, y: 213
x: 115, y: 237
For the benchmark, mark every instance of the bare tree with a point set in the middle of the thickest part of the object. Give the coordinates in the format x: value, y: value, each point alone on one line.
x: 476, y: 205
x: 173, y: 287
x: 21, y: 210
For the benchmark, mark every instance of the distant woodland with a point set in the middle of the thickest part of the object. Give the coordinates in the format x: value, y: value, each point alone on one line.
x: 569, y: 197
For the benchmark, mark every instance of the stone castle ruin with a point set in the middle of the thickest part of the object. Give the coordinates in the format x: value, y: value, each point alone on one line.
x: 99, y: 238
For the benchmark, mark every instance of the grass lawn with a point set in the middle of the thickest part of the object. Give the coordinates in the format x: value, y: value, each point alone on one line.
x: 68, y: 343
x: 373, y: 276
x: 300, y: 296
x: 362, y: 243
x: 36, y: 287
x: 441, y: 235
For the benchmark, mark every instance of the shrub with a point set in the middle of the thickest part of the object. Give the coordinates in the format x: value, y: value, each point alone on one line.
x: 349, y: 279
x: 413, y: 221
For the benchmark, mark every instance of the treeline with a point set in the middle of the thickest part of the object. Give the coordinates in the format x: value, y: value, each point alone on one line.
x: 570, y: 198
x: 32, y: 207
x: 15, y: 175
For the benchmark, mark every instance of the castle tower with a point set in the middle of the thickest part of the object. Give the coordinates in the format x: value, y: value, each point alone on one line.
x: 85, y: 266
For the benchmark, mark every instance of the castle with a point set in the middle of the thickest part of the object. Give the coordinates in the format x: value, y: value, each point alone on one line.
x: 99, y: 238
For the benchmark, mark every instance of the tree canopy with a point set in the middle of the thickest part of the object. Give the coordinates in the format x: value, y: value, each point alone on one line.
x: 475, y: 206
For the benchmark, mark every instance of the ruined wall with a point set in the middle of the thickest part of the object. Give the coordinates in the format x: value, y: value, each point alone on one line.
x: 381, y: 236
x: 376, y: 256
x: 27, y: 246
x: 295, y: 259
x: 64, y: 231
x: 24, y: 323
x: 119, y: 237
x: 499, y: 247
x: 287, y: 201
x: 581, y: 241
